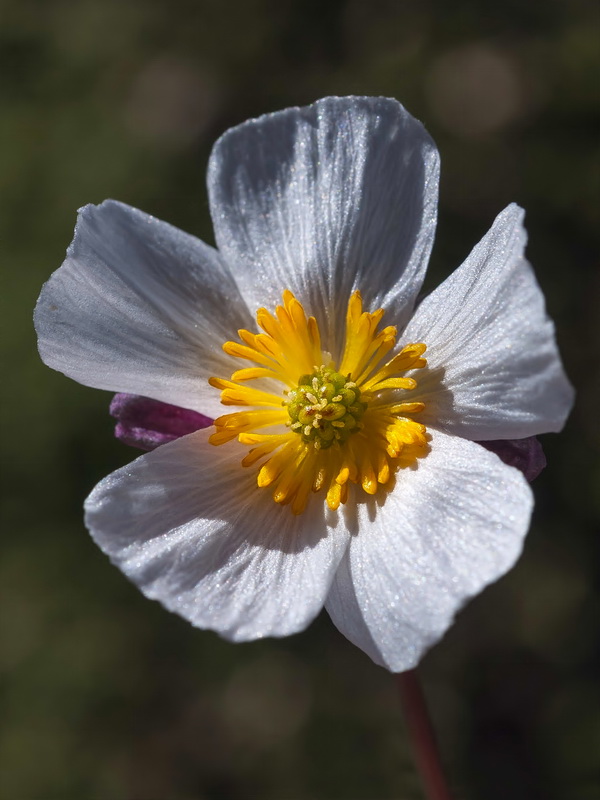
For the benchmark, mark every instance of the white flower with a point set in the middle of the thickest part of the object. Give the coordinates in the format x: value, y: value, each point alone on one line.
x: 313, y: 205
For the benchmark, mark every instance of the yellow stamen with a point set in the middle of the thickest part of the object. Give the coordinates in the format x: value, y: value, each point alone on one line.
x: 235, y: 395
x: 330, y: 427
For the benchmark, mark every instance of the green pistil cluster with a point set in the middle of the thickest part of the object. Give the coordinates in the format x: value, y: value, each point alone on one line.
x: 325, y: 408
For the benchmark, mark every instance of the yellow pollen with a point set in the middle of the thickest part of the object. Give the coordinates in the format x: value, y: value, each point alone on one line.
x: 328, y: 426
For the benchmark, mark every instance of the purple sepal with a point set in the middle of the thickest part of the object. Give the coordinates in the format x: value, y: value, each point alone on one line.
x: 147, y: 423
x: 524, y: 454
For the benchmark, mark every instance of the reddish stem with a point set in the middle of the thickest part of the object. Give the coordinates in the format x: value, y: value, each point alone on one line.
x: 422, y: 737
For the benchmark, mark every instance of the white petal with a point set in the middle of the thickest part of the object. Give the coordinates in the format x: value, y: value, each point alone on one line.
x: 494, y: 371
x: 322, y: 200
x: 139, y: 306
x: 189, y: 526
x: 450, y: 526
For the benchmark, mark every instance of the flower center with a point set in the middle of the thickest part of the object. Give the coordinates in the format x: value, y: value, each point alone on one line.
x: 336, y: 425
x: 325, y: 408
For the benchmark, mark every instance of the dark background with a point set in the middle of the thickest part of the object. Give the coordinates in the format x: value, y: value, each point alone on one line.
x: 106, y: 695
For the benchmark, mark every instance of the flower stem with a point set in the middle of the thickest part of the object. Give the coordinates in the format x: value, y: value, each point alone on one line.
x: 422, y: 737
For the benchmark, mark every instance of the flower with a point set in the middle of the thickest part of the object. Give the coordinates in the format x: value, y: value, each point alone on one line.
x: 324, y: 220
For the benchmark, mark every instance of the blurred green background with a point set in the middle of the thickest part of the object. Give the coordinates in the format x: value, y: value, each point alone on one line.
x: 105, y: 695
